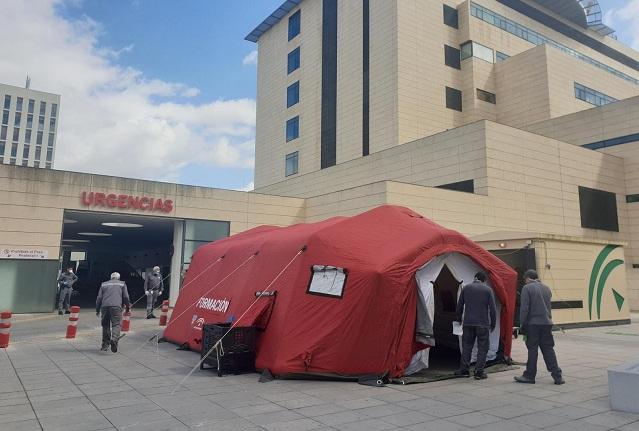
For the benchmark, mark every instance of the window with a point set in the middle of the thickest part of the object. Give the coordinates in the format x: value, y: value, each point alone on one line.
x: 54, y: 109
x: 535, y: 38
x: 620, y: 140
x: 48, y: 166
x: 31, y: 105
x: 294, y: 25
x: 474, y: 49
x: 294, y: 60
x: 29, y: 121
x: 292, y: 129
x: 500, y: 56
x: 632, y: 199
x: 451, y: 17
x: 451, y: 57
x: 467, y: 186
x: 38, y: 153
x: 291, y: 164
x: 591, y: 96
x: 7, y: 101
x: 51, y: 124
x: 27, y: 136
x: 43, y: 107
x: 25, y: 162
x: 17, y: 119
x: 16, y: 134
x: 453, y: 99
x: 25, y: 152
x: 486, y: 96
x: 293, y: 94
x: 3, y: 133
x: 14, y: 150
x: 198, y: 233
x: 36, y: 164
x: 50, y: 142
x: 327, y: 281
x: 598, y: 209
x: 19, y: 104
x: 39, y: 138
x: 49, y: 154
x: 41, y: 122
x: 5, y: 117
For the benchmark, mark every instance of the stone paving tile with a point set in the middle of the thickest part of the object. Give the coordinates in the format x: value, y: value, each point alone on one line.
x: 474, y: 419
x: 438, y: 425
x: 542, y: 421
x: 341, y: 418
x: 170, y: 424
x: 227, y: 425
x: 294, y: 425
x: 88, y: 421
x: 366, y: 425
x: 630, y: 427
x: 407, y: 418
x: 29, y: 425
x: 612, y: 418
x: 319, y: 410
x: 17, y: 413
x: 505, y: 425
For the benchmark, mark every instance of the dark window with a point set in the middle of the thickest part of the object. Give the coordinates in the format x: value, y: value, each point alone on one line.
x: 25, y: 152
x: 500, y: 56
x: 7, y: 101
x: 43, y: 108
x: 293, y: 94
x: 635, y: 266
x: 598, y: 209
x: 591, y: 96
x: 486, y: 96
x: 31, y: 103
x: 452, y: 57
x: 292, y: 161
x: 292, y: 129
x: 294, y: 60
x: 328, y: 131
x: 294, y: 25
x: 467, y: 186
x: 451, y: 17
x: 453, y: 99
x: 632, y: 199
x: 613, y: 142
x: 562, y: 305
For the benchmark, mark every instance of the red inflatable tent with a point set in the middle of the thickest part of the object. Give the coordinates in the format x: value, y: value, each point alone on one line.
x: 337, y: 297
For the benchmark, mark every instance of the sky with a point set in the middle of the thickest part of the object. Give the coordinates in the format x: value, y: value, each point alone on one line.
x: 159, y: 89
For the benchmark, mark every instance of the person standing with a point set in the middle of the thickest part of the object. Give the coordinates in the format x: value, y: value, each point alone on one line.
x: 477, y: 306
x: 65, y: 287
x: 535, y: 321
x: 112, y: 296
x: 153, y: 287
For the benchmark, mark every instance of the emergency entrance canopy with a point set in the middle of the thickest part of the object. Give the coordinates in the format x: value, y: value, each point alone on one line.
x: 345, y: 300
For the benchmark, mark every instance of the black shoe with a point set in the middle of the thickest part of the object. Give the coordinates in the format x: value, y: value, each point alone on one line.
x: 105, y: 347
x: 60, y: 313
x: 153, y: 316
x: 462, y: 373
x: 559, y: 380
x: 524, y: 379
x: 67, y: 312
x: 114, y: 346
x: 480, y: 375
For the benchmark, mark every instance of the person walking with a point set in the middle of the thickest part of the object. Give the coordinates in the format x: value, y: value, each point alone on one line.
x: 477, y: 306
x: 65, y: 287
x: 112, y: 296
x: 153, y: 287
x: 536, y: 324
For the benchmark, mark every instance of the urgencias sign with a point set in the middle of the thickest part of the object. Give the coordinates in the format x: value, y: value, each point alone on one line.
x: 111, y: 200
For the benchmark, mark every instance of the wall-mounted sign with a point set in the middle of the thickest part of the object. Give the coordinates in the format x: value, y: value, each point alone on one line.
x: 111, y: 200
x: 23, y: 253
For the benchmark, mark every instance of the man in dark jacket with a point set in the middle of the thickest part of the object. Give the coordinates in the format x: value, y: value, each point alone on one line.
x: 153, y: 287
x: 536, y: 323
x: 112, y: 295
x: 65, y: 287
x: 477, y: 306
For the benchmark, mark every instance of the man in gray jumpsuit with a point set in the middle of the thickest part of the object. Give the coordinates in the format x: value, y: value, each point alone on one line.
x: 113, y: 294
x: 153, y: 287
x: 65, y: 285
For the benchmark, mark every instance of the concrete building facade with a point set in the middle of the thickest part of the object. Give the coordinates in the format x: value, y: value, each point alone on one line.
x: 29, y: 127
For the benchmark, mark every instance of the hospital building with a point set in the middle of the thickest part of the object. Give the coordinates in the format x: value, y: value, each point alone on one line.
x: 515, y: 122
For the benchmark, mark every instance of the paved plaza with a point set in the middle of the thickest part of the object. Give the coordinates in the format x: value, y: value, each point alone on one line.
x: 49, y: 383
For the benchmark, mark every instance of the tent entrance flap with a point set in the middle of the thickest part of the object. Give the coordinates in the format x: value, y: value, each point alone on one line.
x: 259, y: 313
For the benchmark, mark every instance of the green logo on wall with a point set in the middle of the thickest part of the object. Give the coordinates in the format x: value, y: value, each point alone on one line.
x: 603, y: 275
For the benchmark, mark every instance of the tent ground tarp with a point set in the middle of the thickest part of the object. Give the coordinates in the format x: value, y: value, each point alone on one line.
x: 340, y: 296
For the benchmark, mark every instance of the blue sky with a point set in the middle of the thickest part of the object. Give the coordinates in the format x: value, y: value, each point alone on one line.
x: 159, y: 89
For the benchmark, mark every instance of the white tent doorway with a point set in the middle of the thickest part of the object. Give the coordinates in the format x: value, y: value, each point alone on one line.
x: 439, y: 283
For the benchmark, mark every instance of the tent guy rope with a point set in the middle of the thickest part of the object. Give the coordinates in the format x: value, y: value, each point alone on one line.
x: 219, y: 342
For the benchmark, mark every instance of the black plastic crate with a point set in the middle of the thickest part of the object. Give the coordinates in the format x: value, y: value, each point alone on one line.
x: 235, y: 354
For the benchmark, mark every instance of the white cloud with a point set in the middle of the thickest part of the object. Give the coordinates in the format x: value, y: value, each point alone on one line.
x: 116, y: 120
x: 628, y: 17
x: 250, y: 59
x: 247, y: 188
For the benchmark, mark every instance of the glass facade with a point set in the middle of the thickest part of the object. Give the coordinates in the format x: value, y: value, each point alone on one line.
x: 500, y: 56
x: 201, y: 232
x: 22, y: 282
x: 474, y: 49
x: 591, y: 96
x: 532, y: 36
